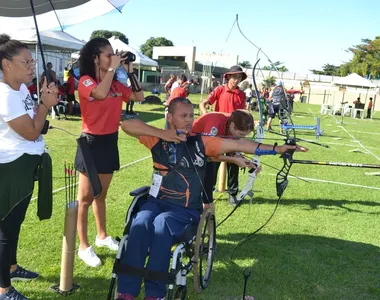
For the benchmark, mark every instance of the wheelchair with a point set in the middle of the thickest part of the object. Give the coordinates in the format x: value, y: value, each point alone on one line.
x: 194, y: 252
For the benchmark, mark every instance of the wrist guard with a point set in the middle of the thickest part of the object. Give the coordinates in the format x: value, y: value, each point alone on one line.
x: 260, y: 152
x: 136, y: 87
x: 45, y: 129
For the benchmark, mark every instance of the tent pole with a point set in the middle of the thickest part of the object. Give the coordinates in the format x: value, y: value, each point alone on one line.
x: 47, y: 74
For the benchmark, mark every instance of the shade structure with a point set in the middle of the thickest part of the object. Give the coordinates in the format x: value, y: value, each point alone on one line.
x: 51, y: 40
x: 41, y: 15
x: 354, y: 80
x: 52, y: 14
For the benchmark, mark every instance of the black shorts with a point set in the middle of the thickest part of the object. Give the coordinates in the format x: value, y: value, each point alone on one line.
x: 275, y: 111
x: 104, y: 151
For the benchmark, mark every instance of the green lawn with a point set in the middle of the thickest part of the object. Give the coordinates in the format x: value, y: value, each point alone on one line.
x: 323, y: 242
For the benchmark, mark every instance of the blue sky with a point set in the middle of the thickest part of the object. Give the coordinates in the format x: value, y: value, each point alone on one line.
x: 302, y: 34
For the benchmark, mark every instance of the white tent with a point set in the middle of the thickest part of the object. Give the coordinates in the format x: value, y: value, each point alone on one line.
x: 354, y: 80
x: 141, y: 59
x: 51, y: 40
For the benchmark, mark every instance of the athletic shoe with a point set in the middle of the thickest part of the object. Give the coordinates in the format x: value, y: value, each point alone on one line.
x: 12, y: 294
x: 232, y: 200
x: 21, y: 274
x: 89, y: 257
x: 108, y: 242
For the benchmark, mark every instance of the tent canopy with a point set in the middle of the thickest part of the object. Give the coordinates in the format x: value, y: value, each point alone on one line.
x: 354, y: 80
x: 141, y: 59
x: 51, y: 40
x: 17, y: 14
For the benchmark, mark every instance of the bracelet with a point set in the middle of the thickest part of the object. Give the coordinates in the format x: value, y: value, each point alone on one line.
x: 45, y: 105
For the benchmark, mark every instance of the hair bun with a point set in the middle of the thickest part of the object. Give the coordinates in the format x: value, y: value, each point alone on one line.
x: 4, y: 38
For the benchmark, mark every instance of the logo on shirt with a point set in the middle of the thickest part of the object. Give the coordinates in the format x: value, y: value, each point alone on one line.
x: 198, y: 149
x: 88, y: 82
x: 198, y: 161
x: 28, y: 103
x: 184, y: 163
x: 214, y: 131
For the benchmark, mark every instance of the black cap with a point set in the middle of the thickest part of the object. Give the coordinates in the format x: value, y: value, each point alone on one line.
x: 236, y: 70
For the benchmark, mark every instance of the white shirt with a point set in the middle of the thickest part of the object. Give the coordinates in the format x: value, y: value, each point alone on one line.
x: 14, y: 104
x: 175, y: 85
x: 248, y: 93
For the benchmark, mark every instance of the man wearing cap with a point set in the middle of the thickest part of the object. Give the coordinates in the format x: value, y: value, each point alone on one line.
x: 228, y: 98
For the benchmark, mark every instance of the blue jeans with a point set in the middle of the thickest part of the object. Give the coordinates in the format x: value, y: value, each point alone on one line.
x: 157, y: 226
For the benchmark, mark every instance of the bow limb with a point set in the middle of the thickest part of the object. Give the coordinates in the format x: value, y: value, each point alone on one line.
x: 248, y: 186
x: 282, y: 175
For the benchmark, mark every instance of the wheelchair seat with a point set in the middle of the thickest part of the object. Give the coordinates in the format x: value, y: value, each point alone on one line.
x: 194, y: 251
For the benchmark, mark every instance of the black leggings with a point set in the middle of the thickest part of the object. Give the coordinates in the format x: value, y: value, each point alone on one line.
x: 210, y: 180
x: 9, y: 233
x: 129, y: 107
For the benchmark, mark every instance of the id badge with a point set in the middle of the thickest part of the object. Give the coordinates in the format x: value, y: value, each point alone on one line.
x: 156, y: 184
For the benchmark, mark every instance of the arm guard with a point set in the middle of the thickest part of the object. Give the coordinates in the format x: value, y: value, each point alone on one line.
x: 136, y: 86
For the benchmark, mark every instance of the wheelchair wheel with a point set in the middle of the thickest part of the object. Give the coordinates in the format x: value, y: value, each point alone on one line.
x: 180, y: 293
x: 205, y: 244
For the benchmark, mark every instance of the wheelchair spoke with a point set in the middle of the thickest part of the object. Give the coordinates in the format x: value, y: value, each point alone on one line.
x: 204, y: 251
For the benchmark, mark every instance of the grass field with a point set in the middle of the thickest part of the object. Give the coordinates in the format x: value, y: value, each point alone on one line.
x: 323, y: 242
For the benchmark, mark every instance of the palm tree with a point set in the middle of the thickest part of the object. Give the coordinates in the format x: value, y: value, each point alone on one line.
x: 245, y: 64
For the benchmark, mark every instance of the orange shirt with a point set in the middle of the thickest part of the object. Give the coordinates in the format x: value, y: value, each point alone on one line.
x: 370, y: 105
x: 227, y: 100
x: 101, y: 116
x: 177, y: 92
x: 213, y: 123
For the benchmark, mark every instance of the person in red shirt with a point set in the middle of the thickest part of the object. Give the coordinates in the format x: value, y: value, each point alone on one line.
x: 228, y: 98
x: 101, y: 98
x: 180, y: 91
x: 236, y: 125
x: 33, y: 89
x: 168, y: 85
x: 177, y: 92
x: 174, y: 203
x: 70, y: 91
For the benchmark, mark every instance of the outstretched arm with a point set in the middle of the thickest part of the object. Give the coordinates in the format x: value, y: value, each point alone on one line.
x: 248, y: 146
x: 137, y: 128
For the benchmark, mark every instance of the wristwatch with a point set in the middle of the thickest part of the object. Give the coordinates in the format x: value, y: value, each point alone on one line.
x: 111, y: 70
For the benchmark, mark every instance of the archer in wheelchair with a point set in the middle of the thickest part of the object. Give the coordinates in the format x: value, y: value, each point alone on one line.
x: 169, y: 211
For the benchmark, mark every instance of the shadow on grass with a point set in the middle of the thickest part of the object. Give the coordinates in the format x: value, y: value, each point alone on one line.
x: 90, y: 287
x: 283, y: 267
x: 296, y: 267
x: 326, y: 204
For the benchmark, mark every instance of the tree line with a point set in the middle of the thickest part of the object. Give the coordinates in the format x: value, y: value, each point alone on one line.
x: 365, y: 60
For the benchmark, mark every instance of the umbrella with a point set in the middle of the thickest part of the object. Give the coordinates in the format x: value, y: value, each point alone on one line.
x: 41, y: 15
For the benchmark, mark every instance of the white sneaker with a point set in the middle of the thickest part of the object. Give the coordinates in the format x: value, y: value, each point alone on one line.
x: 89, y: 256
x: 108, y: 242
